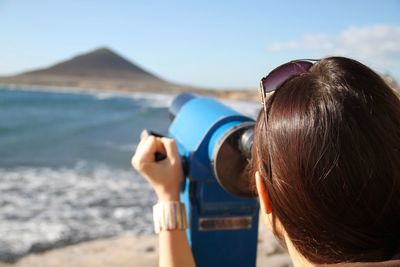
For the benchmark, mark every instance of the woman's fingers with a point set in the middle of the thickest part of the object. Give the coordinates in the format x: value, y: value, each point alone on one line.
x: 146, y: 150
x: 171, y: 149
x: 165, y: 176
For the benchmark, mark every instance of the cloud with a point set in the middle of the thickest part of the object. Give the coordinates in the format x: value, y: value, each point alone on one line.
x: 377, y: 44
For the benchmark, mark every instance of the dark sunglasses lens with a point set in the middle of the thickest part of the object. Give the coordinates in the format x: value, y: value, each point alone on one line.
x: 283, y: 73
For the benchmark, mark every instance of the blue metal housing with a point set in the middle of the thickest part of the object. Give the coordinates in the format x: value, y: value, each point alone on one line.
x: 197, y: 127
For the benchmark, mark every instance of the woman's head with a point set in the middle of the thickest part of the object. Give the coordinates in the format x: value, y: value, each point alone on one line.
x: 330, y: 159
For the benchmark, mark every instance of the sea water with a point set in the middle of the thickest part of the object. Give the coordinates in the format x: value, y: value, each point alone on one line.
x: 65, y: 173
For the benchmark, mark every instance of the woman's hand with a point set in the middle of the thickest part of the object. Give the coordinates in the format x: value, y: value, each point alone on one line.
x: 164, y: 176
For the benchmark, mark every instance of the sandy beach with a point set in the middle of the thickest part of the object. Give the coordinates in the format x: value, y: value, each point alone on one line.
x: 136, y: 251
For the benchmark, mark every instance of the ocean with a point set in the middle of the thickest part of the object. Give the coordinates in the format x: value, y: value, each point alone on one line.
x: 65, y: 173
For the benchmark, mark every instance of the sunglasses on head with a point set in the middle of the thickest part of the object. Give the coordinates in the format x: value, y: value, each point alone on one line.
x: 280, y: 75
x: 276, y: 78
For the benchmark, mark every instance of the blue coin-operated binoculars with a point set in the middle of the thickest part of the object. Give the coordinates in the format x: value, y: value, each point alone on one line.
x: 214, y: 142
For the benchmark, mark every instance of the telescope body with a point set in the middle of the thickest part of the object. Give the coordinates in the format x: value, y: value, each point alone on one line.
x: 223, y: 227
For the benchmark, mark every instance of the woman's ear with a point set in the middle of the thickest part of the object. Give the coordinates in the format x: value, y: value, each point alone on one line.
x: 263, y: 194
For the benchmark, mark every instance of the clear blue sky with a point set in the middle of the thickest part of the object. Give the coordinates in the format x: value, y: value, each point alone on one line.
x: 205, y: 43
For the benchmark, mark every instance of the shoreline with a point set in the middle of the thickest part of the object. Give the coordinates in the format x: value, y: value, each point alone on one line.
x: 89, y: 253
x: 239, y: 94
x: 43, y: 226
x: 230, y: 100
x: 76, y: 90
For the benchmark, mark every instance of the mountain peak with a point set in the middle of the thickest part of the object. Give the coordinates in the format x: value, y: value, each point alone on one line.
x: 103, y: 50
x: 101, y: 63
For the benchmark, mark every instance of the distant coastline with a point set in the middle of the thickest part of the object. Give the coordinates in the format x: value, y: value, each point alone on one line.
x: 241, y: 94
x: 104, y: 70
x: 74, y: 90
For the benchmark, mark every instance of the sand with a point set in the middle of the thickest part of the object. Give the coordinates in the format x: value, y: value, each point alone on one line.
x: 135, y: 251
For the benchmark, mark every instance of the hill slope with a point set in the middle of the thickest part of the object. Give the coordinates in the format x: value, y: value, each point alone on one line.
x: 103, y: 69
x: 98, y: 69
x: 100, y: 63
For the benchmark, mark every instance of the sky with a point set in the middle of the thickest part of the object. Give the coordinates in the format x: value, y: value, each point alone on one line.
x: 219, y: 44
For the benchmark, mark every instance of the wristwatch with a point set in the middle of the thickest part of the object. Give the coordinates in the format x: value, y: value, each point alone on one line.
x: 169, y: 216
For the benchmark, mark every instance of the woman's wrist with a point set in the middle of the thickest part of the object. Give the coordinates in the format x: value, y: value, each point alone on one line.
x: 165, y: 196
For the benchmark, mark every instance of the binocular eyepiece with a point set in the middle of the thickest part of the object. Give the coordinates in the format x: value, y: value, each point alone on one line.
x: 230, y: 144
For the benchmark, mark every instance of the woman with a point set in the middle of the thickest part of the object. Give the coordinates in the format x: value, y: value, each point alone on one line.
x: 326, y: 166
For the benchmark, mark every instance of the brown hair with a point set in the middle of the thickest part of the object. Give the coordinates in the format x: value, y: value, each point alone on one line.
x: 332, y: 142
